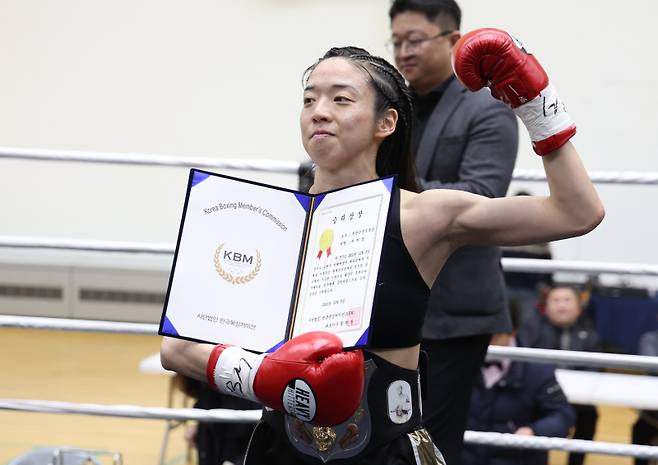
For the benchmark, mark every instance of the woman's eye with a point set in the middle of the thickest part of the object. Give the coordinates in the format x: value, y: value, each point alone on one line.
x: 341, y: 99
x: 307, y: 100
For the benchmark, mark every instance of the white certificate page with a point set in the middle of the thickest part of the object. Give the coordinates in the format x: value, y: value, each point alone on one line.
x: 236, y: 261
x: 342, y: 262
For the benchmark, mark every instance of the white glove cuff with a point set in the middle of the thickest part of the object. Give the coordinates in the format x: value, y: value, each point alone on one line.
x: 235, y: 372
x: 545, y: 115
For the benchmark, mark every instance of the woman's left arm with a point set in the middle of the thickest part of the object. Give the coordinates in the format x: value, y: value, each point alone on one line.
x: 492, y: 58
x: 573, y: 208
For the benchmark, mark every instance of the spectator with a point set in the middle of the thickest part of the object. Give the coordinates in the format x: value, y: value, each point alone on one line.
x: 218, y: 443
x: 563, y: 326
x: 465, y: 141
x: 645, y: 429
x: 516, y: 397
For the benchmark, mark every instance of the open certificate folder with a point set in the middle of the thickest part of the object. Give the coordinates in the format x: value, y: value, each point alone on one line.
x: 256, y: 265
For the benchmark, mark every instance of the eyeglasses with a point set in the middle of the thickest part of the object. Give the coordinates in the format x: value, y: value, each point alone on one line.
x: 395, y: 45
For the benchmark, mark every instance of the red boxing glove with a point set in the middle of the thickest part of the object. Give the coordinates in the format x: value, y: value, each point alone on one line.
x: 492, y: 58
x: 309, y: 377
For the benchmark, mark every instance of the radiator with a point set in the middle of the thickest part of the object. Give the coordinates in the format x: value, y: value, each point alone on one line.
x: 118, y: 287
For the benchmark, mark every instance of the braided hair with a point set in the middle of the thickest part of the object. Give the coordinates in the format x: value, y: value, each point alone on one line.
x: 394, y: 153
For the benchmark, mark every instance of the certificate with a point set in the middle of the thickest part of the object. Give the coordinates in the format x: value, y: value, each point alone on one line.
x: 257, y: 264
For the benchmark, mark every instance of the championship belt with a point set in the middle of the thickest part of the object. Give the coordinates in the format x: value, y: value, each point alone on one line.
x: 390, y: 407
x: 334, y: 442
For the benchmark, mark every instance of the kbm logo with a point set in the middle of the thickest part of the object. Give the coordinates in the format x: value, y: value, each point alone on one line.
x: 236, y: 267
x: 298, y: 400
x: 238, y: 257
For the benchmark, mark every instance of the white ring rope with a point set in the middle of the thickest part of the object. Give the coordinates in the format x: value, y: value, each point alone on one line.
x: 26, y: 242
x: 133, y: 411
x: 572, y: 357
x: 232, y: 416
x: 601, y: 177
x: 572, y: 445
x: 150, y: 160
x: 251, y: 416
x: 534, y: 265
x: 65, y: 324
x: 522, y: 354
x: 528, y: 265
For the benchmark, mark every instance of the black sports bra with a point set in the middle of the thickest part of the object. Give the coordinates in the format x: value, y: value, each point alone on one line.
x: 402, y: 295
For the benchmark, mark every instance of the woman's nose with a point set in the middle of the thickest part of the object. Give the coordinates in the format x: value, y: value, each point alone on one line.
x: 321, y: 112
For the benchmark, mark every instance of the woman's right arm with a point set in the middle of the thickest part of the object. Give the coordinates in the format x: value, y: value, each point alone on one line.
x: 298, y: 378
x: 185, y: 357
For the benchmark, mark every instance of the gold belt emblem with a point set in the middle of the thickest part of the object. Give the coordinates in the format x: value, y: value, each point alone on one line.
x: 324, y: 438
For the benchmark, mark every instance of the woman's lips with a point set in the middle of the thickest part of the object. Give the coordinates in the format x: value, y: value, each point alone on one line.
x: 321, y: 135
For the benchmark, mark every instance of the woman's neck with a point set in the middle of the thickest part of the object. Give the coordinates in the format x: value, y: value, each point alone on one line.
x: 326, y: 180
x: 327, y: 183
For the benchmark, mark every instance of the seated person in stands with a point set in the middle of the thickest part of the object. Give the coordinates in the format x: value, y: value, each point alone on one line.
x: 564, y: 326
x: 516, y: 397
x: 645, y: 429
x: 217, y: 443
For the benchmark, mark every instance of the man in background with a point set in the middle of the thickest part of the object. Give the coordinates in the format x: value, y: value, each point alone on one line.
x: 563, y: 326
x: 521, y: 398
x: 467, y: 141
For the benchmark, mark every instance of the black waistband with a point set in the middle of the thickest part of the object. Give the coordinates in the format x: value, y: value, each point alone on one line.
x: 390, y: 407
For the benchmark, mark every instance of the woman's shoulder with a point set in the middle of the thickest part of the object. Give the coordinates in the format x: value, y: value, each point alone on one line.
x: 426, y: 222
x: 435, y: 208
x: 433, y: 198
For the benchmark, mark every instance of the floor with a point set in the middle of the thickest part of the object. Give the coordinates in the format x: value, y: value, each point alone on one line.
x: 87, y: 368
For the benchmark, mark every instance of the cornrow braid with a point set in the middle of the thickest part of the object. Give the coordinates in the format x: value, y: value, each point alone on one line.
x: 397, y: 93
x: 403, y: 99
x: 404, y: 95
x: 391, y: 91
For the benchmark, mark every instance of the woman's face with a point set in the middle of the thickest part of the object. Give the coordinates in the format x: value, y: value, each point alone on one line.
x: 337, y: 120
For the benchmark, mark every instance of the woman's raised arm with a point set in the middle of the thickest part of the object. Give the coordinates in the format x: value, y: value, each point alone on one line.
x: 492, y: 58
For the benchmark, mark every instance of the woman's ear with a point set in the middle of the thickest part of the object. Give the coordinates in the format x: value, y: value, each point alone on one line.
x: 387, y: 123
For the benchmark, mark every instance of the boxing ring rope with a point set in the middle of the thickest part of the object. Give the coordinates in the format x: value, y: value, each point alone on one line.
x: 523, y: 354
x: 290, y: 167
x: 532, y: 265
x: 150, y: 160
x: 24, y: 242
x: 517, y: 441
x: 66, y: 324
x: 252, y: 416
x: 529, y: 265
x: 598, y: 177
x: 560, y: 357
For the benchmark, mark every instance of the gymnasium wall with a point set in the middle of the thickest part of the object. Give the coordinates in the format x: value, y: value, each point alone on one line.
x: 223, y: 79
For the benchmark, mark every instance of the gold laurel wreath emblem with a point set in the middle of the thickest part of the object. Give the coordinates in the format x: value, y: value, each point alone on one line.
x: 232, y: 278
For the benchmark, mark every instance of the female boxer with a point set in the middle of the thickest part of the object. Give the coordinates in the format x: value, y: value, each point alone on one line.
x: 324, y: 404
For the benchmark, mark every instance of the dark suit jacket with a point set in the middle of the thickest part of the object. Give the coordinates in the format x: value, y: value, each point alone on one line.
x: 469, y: 143
x: 528, y: 395
x: 537, y: 331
